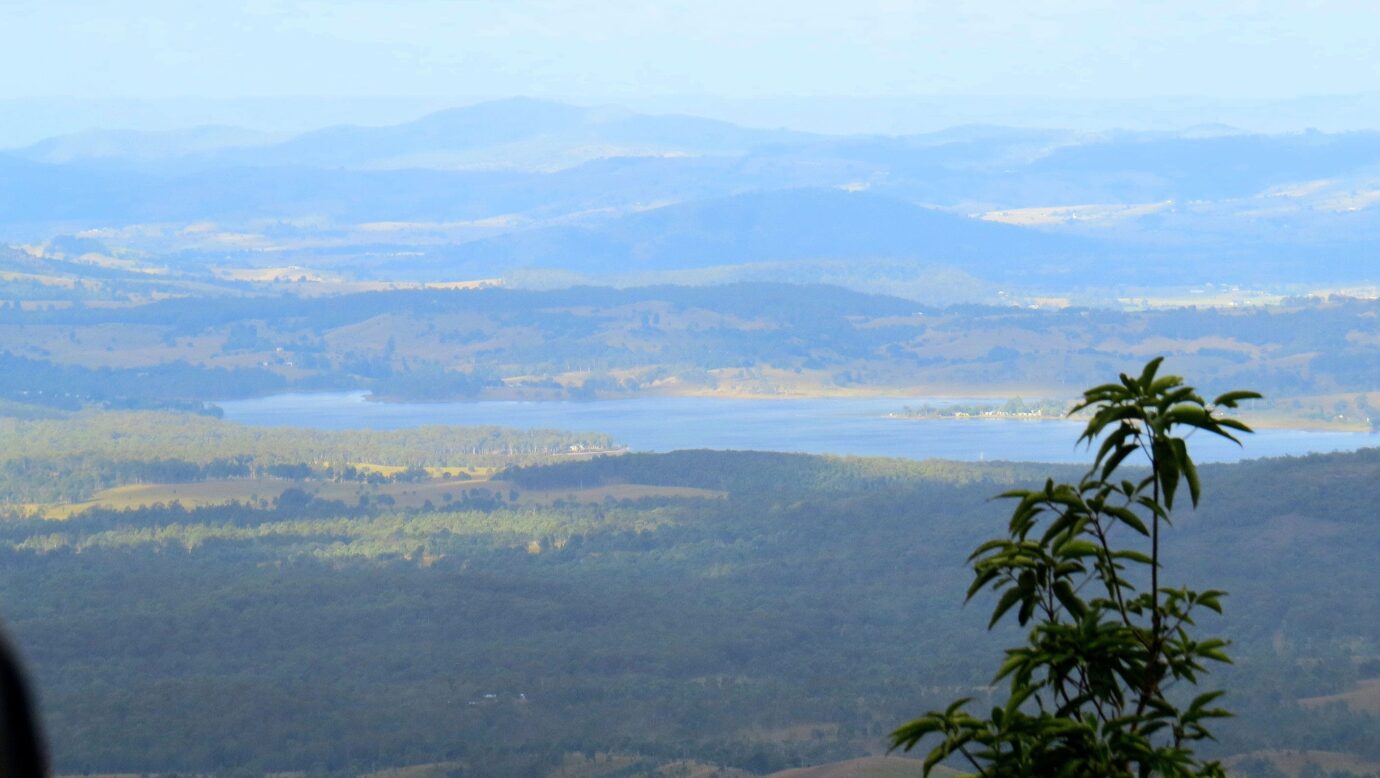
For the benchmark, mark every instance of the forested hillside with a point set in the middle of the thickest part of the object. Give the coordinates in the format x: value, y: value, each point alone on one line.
x: 72, y: 456
x: 1315, y: 359
x: 791, y: 611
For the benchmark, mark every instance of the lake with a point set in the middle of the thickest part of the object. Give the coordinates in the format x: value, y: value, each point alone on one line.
x: 812, y: 425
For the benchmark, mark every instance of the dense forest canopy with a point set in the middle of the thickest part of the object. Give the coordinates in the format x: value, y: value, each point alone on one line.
x: 777, y: 617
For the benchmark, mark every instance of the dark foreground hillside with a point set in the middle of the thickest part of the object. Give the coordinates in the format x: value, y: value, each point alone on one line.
x: 790, y: 613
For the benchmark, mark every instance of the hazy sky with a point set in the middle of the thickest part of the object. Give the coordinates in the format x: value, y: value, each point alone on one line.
x: 732, y: 48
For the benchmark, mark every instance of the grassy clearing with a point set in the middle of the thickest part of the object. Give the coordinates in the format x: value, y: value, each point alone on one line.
x: 576, y: 765
x: 264, y: 491
x: 1365, y: 698
x: 796, y: 732
x: 602, y: 764
x: 866, y: 767
x: 437, y: 770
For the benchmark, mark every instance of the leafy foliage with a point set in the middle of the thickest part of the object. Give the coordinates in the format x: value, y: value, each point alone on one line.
x: 1092, y: 690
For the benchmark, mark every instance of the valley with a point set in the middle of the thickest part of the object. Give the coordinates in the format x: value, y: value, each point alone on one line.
x: 526, y: 438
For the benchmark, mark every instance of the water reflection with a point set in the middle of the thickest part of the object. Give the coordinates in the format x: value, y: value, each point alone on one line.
x: 817, y: 425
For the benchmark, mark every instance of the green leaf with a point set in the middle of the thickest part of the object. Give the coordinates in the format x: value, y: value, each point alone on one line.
x: 1120, y: 454
x: 1066, y: 596
x: 1134, y: 556
x: 1230, y: 399
x: 1148, y: 374
x: 1167, y: 468
x: 1190, y: 471
x: 1077, y: 549
x: 1127, y: 517
x: 1007, y: 602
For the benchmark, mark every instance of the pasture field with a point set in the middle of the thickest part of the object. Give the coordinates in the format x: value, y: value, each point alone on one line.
x: 264, y: 491
x: 867, y: 767
x: 598, y: 765
x: 1364, y: 698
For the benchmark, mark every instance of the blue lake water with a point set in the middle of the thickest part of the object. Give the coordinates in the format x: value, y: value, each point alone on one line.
x: 814, y: 425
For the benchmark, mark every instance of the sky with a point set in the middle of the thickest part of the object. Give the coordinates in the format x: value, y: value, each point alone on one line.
x: 879, y: 66
x: 737, y: 49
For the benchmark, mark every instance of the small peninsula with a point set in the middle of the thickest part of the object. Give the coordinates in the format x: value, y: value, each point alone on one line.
x: 1014, y: 408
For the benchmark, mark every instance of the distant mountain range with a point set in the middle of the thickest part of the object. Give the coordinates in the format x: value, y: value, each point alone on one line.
x: 525, y: 184
x: 135, y: 146
x: 517, y: 133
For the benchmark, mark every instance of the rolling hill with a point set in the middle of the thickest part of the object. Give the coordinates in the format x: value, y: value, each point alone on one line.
x: 603, y: 192
x: 793, y: 224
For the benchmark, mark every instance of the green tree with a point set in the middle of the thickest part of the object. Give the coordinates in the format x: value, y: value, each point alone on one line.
x: 1093, y: 689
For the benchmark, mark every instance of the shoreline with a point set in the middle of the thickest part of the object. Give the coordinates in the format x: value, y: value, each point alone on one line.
x: 1266, y: 420
x: 1259, y: 423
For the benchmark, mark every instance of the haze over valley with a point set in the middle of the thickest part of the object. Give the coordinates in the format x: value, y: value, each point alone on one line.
x: 538, y: 193
x: 609, y: 390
